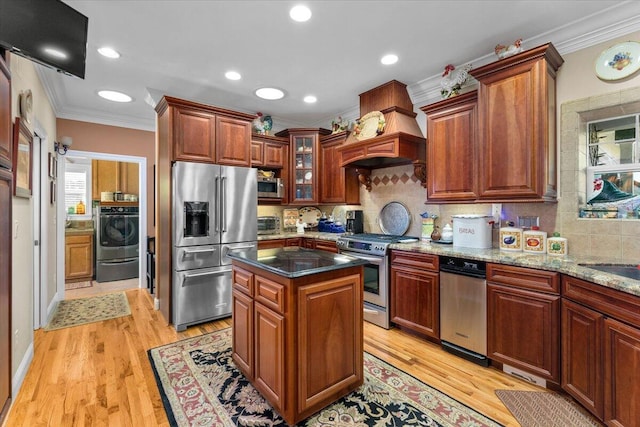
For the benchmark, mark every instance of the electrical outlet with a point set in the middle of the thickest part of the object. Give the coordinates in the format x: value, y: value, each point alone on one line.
x: 496, y: 213
x: 526, y: 222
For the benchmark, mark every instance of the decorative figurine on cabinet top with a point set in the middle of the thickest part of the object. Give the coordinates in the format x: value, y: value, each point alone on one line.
x: 262, y: 124
x: 452, y: 80
x: 505, y: 51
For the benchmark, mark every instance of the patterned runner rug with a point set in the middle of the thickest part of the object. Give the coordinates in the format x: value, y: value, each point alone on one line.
x: 200, y: 385
x: 78, y: 285
x: 74, y: 312
x: 545, y: 409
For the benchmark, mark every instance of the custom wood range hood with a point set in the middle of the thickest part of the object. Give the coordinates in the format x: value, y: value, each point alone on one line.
x: 401, y: 142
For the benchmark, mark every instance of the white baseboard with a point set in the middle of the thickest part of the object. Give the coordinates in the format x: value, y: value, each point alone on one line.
x: 21, y: 373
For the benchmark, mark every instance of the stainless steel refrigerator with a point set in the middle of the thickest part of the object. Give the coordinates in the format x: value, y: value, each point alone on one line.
x: 214, y: 213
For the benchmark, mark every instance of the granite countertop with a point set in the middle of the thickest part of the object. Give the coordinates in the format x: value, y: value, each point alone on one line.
x: 75, y: 227
x: 293, y: 262
x: 566, y: 265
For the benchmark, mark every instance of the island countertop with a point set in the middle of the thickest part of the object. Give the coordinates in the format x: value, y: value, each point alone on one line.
x: 292, y: 262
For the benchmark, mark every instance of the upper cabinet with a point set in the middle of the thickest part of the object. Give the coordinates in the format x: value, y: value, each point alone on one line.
x: 516, y: 112
x: 304, y: 164
x: 337, y: 184
x: 269, y: 152
x: 201, y: 133
x: 6, y: 142
x: 108, y: 175
x: 452, y: 148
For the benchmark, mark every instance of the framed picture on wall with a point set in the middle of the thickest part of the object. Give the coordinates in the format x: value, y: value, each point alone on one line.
x: 53, y: 166
x: 22, y: 159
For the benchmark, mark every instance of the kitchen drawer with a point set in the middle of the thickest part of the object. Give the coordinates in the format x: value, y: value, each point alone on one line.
x: 524, y: 278
x: 416, y: 259
x: 326, y: 245
x: 270, y: 294
x: 243, y: 281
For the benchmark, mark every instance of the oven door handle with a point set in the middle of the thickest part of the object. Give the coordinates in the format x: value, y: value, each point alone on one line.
x: 373, y: 260
x: 370, y: 311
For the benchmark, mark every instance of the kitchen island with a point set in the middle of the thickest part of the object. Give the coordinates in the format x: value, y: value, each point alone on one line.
x: 297, y: 326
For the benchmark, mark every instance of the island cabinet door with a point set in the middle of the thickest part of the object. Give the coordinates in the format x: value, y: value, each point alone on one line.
x: 270, y: 357
x: 329, y: 340
x: 621, y: 373
x: 243, y: 333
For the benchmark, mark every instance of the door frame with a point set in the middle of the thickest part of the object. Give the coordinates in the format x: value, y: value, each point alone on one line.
x: 61, y: 214
x: 40, y: 226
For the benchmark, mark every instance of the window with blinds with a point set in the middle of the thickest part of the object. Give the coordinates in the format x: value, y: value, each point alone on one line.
x: 77, y: 187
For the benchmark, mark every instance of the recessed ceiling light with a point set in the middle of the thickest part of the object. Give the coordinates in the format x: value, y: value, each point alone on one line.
x: 389, y: 59
x: 109, y: 52
x: 310, y: 99
x: 114, y: 96
x: 269, y: 93
x: 232, y: 75
x: 300, y: 13
x: 51, y: 51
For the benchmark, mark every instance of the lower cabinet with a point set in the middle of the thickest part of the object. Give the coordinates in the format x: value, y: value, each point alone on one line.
x: 78, y: 258
x: 523, y: 318
x: 299, y: 341
x: 415, y: 292
x: 601, y: 350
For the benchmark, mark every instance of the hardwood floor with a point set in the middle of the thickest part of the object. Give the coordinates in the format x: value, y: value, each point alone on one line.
x: 99, y: 374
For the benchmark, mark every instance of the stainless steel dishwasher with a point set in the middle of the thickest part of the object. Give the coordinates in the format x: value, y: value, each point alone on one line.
x: 463, y: 308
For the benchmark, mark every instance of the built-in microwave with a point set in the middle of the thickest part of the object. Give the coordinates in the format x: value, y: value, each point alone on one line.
x: 271, y: 188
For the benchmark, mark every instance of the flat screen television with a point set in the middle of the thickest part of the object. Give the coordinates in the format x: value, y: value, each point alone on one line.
x: 46, y: 31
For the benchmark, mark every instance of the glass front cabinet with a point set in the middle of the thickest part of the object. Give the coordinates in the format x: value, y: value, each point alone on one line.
x: 304, y: 178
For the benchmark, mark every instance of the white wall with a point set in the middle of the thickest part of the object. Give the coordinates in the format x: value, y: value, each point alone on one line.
x: 24, y: 77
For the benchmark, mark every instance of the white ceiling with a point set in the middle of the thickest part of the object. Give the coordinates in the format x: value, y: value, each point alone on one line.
x: 183, y: 48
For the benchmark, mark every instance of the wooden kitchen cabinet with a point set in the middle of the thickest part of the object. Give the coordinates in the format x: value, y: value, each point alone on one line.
x: 78, y: 257
x: 582, y: 373
x: 415, y: 292
x: 202, y: 133
x: 108, y: 175
x: 337, y: 184
x: 280, y: 348
x: 269, y: 152
x: 523, y: 319
x: 271, y: 244
x: 6, y: 140
x: 452, y: 149
x: 6, y: 240
x: 233, y: 141
x: 601, y: 350
x: 516, y: 116
x: 325, y: 245
x: 304, y: 164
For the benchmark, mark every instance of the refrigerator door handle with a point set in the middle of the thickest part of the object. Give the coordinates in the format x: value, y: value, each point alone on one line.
x: 218, y: 204
x: 223, y: 198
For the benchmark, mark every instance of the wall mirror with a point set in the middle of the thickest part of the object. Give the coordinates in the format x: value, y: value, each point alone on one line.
x: 22, y: 159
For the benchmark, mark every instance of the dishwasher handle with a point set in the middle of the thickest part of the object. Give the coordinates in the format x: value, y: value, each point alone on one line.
x: 470, y: 273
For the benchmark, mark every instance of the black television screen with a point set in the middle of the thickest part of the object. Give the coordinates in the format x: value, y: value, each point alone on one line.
x: 46, y: 31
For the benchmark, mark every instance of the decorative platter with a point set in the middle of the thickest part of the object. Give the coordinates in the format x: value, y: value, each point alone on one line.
x: 368, y: 126
x: 310, y: 215
x: 394, y: 219
x: 618, y: 61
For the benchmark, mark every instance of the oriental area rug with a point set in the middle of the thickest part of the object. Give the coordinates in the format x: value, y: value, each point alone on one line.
x: 80, y: 311
x: 200, y: 385
x: 545, y: 409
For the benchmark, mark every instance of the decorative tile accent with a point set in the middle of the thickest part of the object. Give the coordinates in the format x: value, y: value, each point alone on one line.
x: 393, y: 179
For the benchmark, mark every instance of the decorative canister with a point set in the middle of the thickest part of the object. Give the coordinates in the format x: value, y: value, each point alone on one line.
x: 447, y: 233
x: 534, y: 241
x: 427, y: 228
x: 511, y: 238
x: 557, y: 245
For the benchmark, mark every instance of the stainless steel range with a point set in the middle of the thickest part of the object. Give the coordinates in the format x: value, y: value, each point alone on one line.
x: 373, y: 248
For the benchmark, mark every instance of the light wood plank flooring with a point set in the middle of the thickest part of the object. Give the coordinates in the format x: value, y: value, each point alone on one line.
x: 99, y: 374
